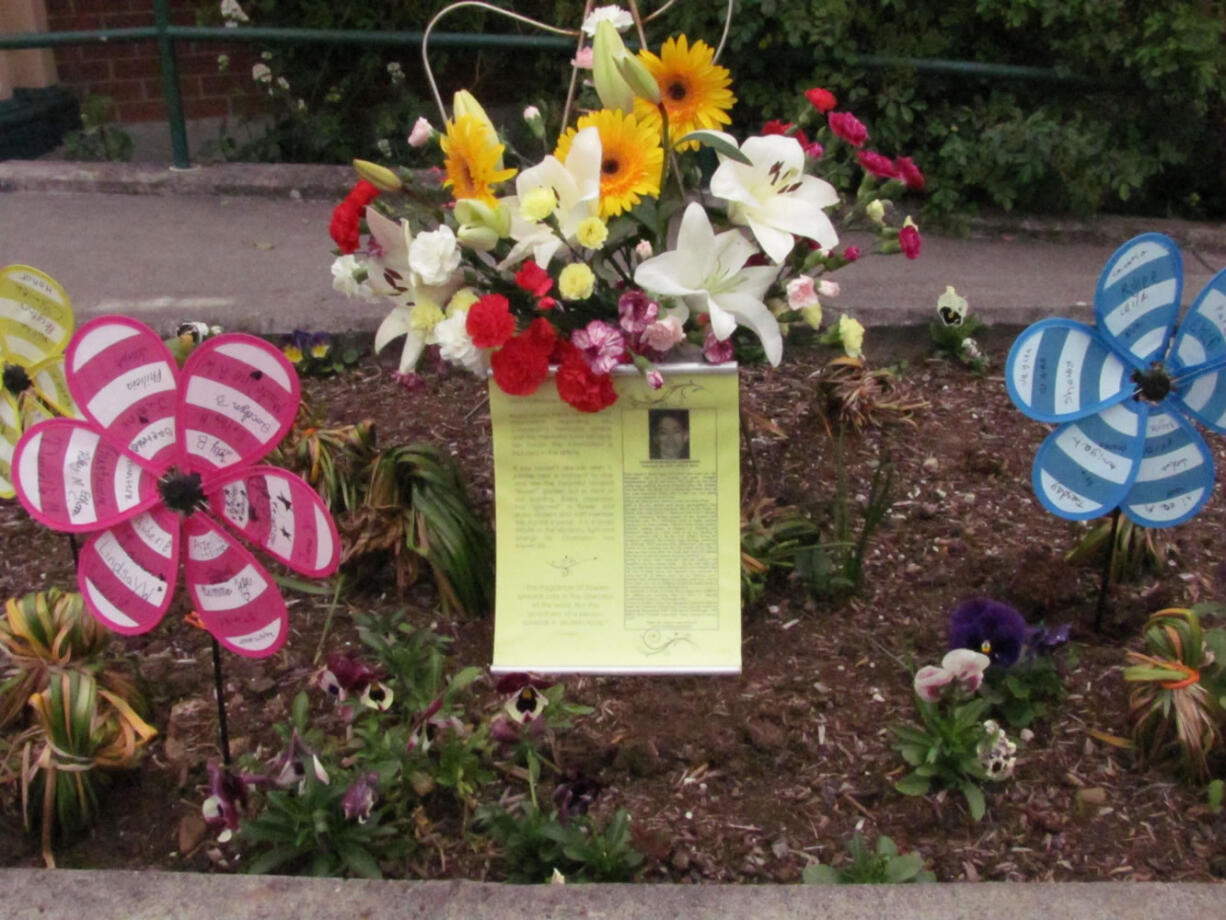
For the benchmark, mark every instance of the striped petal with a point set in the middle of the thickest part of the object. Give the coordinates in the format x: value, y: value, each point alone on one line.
x: 36, y: 318
x: 280, y: 513
x: 1059, y: 370
x: 125, y: 381
x: 240, y: 396
x: 1198, y: 357
x: 1137, y: 298
x: 51, y: 384
x: 1176, y: 475
x: 1085, y: 468
x: 127, y: 573
x: 235, y: 597
x: 70, y: 478
x: 10, y: 433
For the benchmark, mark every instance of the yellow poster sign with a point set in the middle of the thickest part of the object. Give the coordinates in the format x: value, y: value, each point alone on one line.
x: 619, y: 531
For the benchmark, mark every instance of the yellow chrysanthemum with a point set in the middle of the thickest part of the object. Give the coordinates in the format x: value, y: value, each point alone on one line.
x: 631, y: 159
x: 694, y: 90
x: 471, y: 158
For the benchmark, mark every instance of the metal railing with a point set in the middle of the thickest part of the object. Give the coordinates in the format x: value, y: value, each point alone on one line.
x: 165, y: 34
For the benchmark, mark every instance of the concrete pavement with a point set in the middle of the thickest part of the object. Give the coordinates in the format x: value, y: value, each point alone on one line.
x: 247, y: 246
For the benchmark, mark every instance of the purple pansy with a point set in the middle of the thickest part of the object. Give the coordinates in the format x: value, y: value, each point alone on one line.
x: 989, y: 627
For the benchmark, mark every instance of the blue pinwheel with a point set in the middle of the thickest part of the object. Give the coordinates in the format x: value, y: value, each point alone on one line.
x: 1124, y: 390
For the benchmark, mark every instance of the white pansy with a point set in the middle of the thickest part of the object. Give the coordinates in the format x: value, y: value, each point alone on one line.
x: 619, y: 18
x: 708, y: 271
x: 772, y: 195
x: 435, y: 255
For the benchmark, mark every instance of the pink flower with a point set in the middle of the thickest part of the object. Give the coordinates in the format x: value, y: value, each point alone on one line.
x: 801, y: 292
x: 930, y: 681
x: 663, y: 334
x: 161, y: 456
x: 814, y: 151
x: 655, y: 379
x: 421, y: 133
x: 910, y: 173
x: 851, y: 253
x: 828, y: 288
x: 909, y: 240
x: 583, y: 58
x: 636, y: 311
x: 821, y: 99
x: 966, y: 667
x: 717, y: 351
x: 600, y: 345
x: 786, y: 128
x: 877, y: 165
x: 848, y: 127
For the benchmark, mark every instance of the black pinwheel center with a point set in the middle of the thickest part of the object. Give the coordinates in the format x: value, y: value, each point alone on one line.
x: 181, y: 491
x: 16, y: 380
x: 1153, y: 385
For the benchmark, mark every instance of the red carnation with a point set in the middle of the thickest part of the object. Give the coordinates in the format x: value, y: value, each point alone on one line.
x: 534, y: 279
x: 910, y: 173
x: 848, y: 127
x: 347, y: 216
x: 909, y: 240
x: 521, y: 365
x: 541, y: 335
x: 821, y: 99
x: 490, y: 322
x: 785, y: 128
x: 877, y: 165
x: 586, y: 391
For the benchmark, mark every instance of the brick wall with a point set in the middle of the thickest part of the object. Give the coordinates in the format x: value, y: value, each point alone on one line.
x: 129, y: 72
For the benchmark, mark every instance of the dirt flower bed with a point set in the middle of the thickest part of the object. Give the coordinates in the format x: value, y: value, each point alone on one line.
x: 747, y: 778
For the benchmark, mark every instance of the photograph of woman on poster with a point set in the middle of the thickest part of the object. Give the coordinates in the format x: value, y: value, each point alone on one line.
x: 669, y: 434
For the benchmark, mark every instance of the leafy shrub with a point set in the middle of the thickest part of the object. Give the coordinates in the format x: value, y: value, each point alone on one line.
x: 98, y: 138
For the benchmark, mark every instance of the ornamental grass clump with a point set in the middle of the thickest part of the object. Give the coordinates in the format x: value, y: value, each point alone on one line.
x: 1179, y: 690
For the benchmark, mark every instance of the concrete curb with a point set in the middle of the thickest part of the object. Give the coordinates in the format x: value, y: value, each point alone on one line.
x: 297, y: 180
x: 71, y: 895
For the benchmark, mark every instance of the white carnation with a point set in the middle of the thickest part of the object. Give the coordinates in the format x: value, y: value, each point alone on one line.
x: 345, y: 273
x: 455, y: 345
x: 435, y: 255
x: 620, y: 18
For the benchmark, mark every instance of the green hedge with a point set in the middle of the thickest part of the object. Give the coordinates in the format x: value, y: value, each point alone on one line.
x: 1144, y: 132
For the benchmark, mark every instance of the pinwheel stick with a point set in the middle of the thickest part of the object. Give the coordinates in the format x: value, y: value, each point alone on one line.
x: 1102, y: 588
x: 222, y: 731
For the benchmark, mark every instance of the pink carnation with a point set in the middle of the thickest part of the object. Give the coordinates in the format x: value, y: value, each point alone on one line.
x: 848, y: 127
x: 600, y: 345
x: 636, y: 311
x: 877, y: 165
x: 909, y: 240
x: 801, y: 292
x: 910, y: 173
x: 663, y: 334
x: 717, y: 351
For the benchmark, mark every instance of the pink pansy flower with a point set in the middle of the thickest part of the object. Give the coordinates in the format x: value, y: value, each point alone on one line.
x: 801, y: 292
x: 848, y: 127
x: 930, y: 681
x: 600, y: 344
x: 160, y: 457
x: 967, y: 667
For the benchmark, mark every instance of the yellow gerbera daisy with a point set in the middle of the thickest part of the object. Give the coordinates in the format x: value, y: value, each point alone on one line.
x: 472, y: 156
x: 631, y: 159
x: 693, y: 89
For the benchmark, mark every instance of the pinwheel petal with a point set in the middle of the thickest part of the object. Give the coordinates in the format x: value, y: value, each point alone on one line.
x: 127, y: 572
x: 70, y: 478
x: 280, y: 513
x: 1137, y: 298
x: 1176, y: 474
x: 35, y: 316
x: 1201, y: 339
x: 10, y: 433
x: 1085, y: 468
x: 51, y: 385
x: 234, y: 595
x: 1059, y: 370
x: 239, y: 398
x: 124, y: 380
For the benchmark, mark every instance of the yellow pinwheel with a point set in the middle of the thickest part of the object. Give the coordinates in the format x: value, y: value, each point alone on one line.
x: 36, y: 322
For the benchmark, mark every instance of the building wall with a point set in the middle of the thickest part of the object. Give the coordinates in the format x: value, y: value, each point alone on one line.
x: 129, y: 72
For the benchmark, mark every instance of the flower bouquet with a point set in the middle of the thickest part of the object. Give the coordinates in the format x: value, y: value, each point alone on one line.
x: 646, y: 233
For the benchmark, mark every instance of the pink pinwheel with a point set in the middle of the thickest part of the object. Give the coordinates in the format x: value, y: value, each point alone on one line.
x: 158, y: 450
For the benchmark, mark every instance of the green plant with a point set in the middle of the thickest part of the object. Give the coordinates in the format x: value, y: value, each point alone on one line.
x: 884, y: 865
x: 1176, y: 704
x: 332, y: 460
x: 953, y: 331
x: 320, y: 354
x: 414, y: 505
x: 534, y: 844
x: 1025, y: 691
x: 98, y: 138
x: 836, y: 567
x: 1137, y: 550
x: 771, y: 537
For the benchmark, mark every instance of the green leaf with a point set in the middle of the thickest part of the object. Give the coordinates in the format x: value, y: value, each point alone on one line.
x: 819, y: 874
x: 359, y: 861
x: 718, y: 144
x: 273, y: 859
x: 903, y: 868
x: 913, y: 784
x: 974, y: 799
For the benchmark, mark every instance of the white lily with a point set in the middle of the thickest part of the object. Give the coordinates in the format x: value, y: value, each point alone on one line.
x: 416, y: 304
x: 773, y: 196
x: 575, y: 183
x: 709, y: 272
